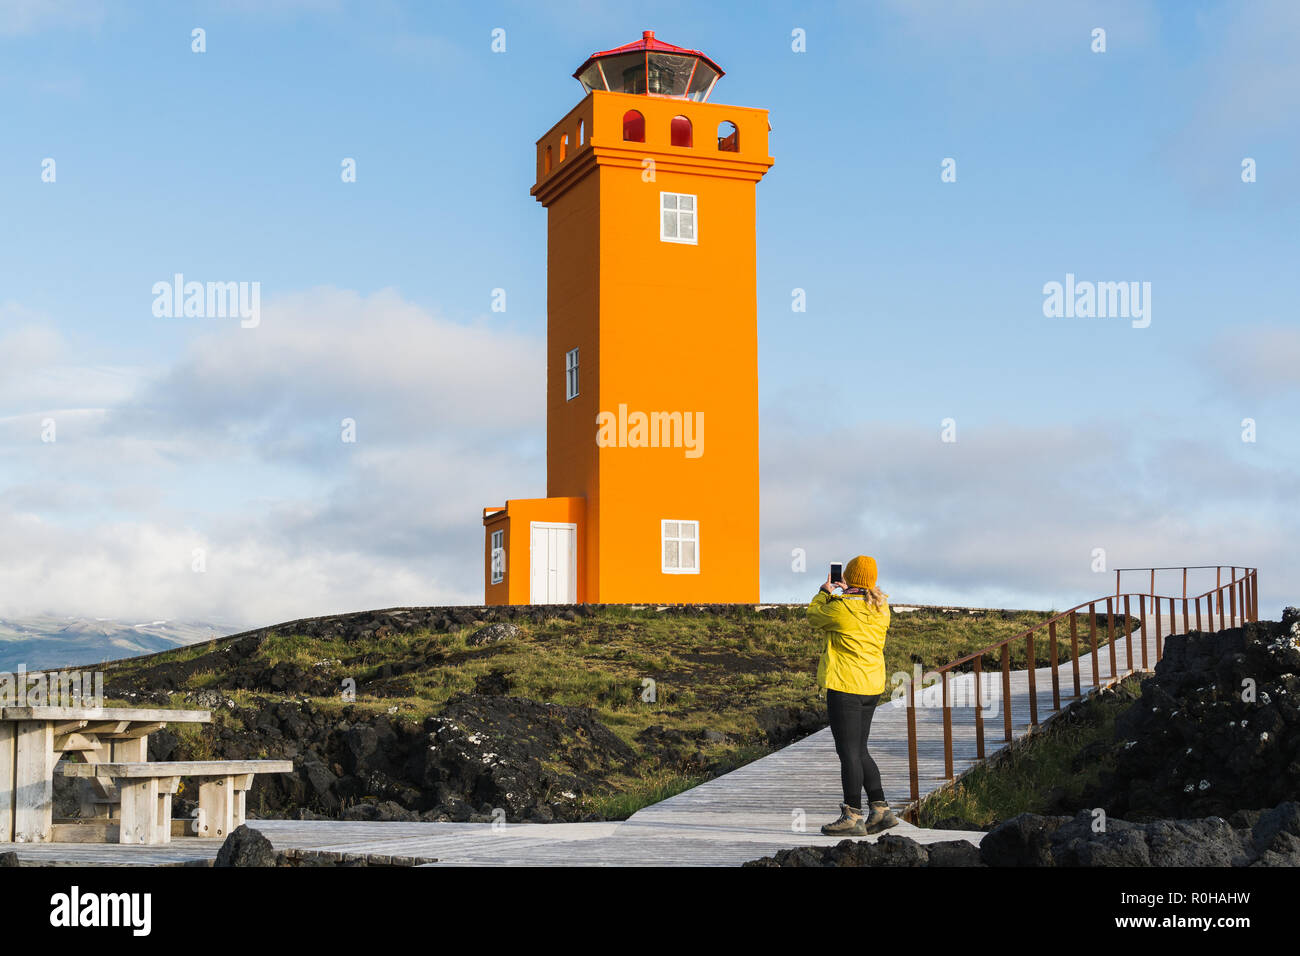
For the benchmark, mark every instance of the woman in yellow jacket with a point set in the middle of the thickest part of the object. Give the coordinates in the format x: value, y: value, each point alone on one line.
x: 852, y: 669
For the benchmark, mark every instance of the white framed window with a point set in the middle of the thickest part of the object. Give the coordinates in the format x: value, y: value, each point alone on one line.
x: 498, y: 556
x: 681, y: 546
x: 571, y: 375
x: 677, y: 218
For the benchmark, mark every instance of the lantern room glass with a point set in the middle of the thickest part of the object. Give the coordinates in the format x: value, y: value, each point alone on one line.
x: 702, y: 82
x: 648, y: 72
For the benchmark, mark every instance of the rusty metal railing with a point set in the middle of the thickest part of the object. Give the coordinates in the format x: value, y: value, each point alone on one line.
x: 1228, y: 604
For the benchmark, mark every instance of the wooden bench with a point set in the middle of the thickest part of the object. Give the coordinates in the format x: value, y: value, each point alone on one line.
x: 34, y: 739
x: 144, y: 791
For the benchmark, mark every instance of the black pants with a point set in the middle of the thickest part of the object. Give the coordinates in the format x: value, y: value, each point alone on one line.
x: 850, y: 716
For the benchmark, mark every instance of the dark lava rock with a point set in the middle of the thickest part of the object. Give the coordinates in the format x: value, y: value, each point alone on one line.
x: 1030, y: 840
x: 9, y: 858
x: 1077, y: 843
x: 385, y: 811
x: 246, y: 847
x: 1208, y: 842
x: 495, y: 683
x: 1024, y: 840
x: 533, y: 761
x: 517, y: 755
x: 491, y: 633
x: 954, y: 853
x: 785, y: 725
x: 1216, y: 730
x: 888, y: 850
x: 1272, y: 827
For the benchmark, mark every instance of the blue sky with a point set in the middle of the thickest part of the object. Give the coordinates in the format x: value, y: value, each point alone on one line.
x: 924, y: 297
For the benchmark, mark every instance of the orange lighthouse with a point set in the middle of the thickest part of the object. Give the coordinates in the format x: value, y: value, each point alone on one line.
x: 651, y: 345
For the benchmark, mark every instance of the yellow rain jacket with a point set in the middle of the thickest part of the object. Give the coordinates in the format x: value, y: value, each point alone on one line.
x: 854, y: 659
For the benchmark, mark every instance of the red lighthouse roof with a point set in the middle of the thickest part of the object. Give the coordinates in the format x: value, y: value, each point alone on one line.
x: 650, y: 67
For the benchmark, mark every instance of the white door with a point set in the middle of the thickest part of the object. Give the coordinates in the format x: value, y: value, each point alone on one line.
x: 553, y: 563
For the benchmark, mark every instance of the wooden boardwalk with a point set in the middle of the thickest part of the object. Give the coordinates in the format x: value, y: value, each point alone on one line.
x: 774, y: 803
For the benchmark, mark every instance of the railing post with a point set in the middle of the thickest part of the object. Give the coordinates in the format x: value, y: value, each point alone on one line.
x: 1198, y: 615
x: 1232, y: 600
x: 1006, y: 691
x: 911, y: 742
x: 1142, y: 619
x: 1184, y: 582
x: 1218, y: 590
x: 947, y: 729
x: 1056, y: 677
x: 1074, y: 650
x: 1155, y: 601
x: 979, y: 708
x: 1033, y: 684
x: 1092, y: 640
x: 1128, y: 635
x: 1110, y: 636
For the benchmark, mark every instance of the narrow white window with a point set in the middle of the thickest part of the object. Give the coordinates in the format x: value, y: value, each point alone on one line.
x: 498, y: 556
x: 677, y: 217
x: 571, y: 375
x: 681, y: 547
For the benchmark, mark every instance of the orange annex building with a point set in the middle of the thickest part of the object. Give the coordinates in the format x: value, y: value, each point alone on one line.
x: 651, y: 345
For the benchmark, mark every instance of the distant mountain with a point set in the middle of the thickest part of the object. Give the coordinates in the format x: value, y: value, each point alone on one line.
x: 52, y: 642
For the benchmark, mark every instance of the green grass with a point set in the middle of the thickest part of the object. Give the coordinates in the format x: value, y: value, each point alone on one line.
x: 1041, y: 773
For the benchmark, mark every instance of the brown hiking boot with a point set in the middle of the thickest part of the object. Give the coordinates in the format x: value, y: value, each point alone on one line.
x: 850, y: 823
x: 880, y: 818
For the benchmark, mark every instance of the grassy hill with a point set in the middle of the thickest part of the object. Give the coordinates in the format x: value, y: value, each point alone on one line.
x: 684, y: 692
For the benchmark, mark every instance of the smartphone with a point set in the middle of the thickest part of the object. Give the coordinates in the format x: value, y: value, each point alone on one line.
x: 837, y: 571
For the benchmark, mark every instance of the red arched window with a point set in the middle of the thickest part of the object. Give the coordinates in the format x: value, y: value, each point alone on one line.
x: 633, y: 127
x: 681, y: 131
x: 564, y: 147
x: 728, y: 137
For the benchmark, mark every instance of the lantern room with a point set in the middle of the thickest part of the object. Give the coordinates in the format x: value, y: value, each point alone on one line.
x: 652, y: 68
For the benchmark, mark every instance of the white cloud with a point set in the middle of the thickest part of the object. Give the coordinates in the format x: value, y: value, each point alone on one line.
x: 236, y: 449
x: 327, y: 354
x: 1008, y: 516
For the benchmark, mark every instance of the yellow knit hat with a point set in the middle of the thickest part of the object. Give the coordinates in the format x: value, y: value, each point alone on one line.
x: 861, y: 572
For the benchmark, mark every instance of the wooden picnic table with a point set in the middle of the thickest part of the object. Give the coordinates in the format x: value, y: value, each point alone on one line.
x: 33, y: 739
